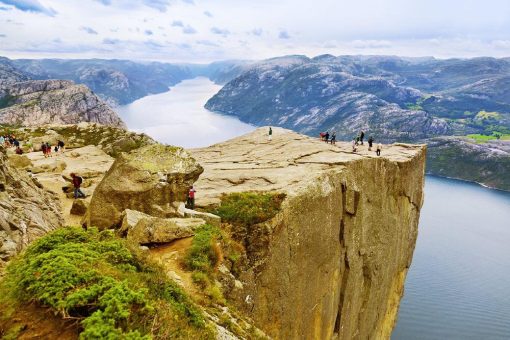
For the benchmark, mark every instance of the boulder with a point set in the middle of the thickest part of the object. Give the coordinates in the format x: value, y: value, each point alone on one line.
x: 20, y: 161
x: 144, y: 229
x: 79, y: 207
x: 153, y: 179
x: 207, y: 217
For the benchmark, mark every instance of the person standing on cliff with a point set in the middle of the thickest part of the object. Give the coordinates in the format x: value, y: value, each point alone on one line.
x: 361, y: 136
x: 190, y: 202
x: 378, y: 150
x: 333, y: 138
x: 77, y: 181
x: 270, y: 134
x: 370, y: 143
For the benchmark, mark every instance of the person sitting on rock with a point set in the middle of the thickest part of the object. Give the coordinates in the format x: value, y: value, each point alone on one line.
x: 370, y: 143
x: 378, y: 150
x: 77, y: 181
x: 333, y: 138
x: 190, y: 202
x: 19, y: 151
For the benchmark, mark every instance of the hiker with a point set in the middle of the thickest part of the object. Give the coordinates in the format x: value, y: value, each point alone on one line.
x: 321, y: 135
x: 333, y: 138
x: 2, y: 141
x: 77, y: 181
x: 190, y: 202
x: 55, y: 149
x: 361, y: 136
x: 270, y: 134
x: 326, y: 136
x: 61, y: 146
x: 48, y: 149
x: 15, y: 142
x: 354, y: 145
x: 43, y: 149
x: 378, y: 150
x: 370, y: 143
x: 357, y: 140
x: 19, y: 151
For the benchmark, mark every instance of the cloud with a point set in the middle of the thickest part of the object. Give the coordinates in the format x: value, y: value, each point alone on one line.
x: 110, y: 41
x: 4, y: 8
x: 105, y: 2
x: 220, y: 31
x: 148, y: 32
x: 30, y: 6
x: 89, y: 30
x: 257, y: 31
x: 177, y: 23
x: 188, y: 30
x: 3, y: 36
x: 363, y: 44
x: 191, y: 2
x: 284, y: 35
x: 207, y: 43
x: 160, y: 5
x: 208, y: 14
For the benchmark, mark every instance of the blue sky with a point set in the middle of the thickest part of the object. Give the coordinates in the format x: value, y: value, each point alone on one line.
x: 208, y: 30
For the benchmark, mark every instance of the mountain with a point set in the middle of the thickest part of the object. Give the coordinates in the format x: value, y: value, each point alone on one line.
x: 39, y: 102
x: 391, y: 98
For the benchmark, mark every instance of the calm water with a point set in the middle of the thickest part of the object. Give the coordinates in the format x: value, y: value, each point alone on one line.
x: 178, y: 117
x: 458, y: 286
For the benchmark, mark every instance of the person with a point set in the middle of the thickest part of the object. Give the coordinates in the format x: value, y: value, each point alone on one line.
x: 190, y: 202
x: 361, y: 136
x: 378, y: 150
x: 326, y: 136
x: 43, y: 149
x: 354, y: 145
x: 333, y: 138
x: 270, y: 134
x: 15, y: 142
x: 357, y: 140
x: 2, y: 140
x: 322, y: 134
x: 19, y: 151
x: 48, y: 149
x: 370, y: 143
x: 77, y: 181
x: 61, y: 146
x: 55, y: 148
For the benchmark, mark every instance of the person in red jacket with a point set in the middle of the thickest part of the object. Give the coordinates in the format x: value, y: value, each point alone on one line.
x: 77, y: 180
x: 190, y: 202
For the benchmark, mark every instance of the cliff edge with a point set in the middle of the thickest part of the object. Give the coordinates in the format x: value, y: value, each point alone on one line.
x: 333, y: 261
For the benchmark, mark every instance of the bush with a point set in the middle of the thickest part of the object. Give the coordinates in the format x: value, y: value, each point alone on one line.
x: 203, y: 255
x: 249, y: 208
x: 93, y: 276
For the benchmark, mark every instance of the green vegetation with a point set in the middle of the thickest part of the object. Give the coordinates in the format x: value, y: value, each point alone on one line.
x: 484, y: 115
x: 480, y: 138
x: 114, y: 291
x: 415, y: 107
x: 249, y: 208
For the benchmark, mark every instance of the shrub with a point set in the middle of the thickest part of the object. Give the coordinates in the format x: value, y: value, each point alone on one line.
x: 203, y: 253
x: 249, y: 208
x: 94, y: 277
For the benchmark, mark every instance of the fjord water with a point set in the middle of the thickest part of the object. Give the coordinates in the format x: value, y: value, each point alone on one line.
x: 178, y: 117
x: 458, y: 286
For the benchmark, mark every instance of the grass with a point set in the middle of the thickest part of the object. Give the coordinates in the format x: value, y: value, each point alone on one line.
x: 96, y: 278
x: 480, y: 138
x: 248, y: 208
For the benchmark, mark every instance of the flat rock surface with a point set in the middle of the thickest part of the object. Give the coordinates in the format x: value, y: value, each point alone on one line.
x: 287, y: 163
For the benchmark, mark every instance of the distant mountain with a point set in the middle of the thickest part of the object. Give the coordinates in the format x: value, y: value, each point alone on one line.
x: 9, y: 74
x: 40, y: 102
x: 120, y: 82
x: 396, y: 99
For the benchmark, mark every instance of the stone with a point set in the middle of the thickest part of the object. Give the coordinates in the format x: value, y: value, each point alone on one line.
x: 20, y: 161
x: 79, y: 207
x: 144, y: 229
x: 27, y: 212
x: 335, y: 258
x: 153, y: 179
x: 209, y: 218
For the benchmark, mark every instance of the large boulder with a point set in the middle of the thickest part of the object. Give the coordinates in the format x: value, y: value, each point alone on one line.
x: 20, y: 161
x: 153, y: 179
x: 79, y: 207
x: 144, y: 229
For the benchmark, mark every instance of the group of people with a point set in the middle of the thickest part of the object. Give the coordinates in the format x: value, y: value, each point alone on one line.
x: 326, y: 137
x: 358, y: 140
x: 46, y: 148
x: 8, y: 141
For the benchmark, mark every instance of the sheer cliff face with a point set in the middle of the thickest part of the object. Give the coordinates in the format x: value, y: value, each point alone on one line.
x: 335, y: 258
x: 38, y: 102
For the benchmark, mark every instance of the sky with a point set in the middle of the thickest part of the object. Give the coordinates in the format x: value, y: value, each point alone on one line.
x: 209, y: 30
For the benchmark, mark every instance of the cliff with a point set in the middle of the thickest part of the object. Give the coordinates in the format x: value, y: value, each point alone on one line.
x: 333, y: 261
x: 39, y: 102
